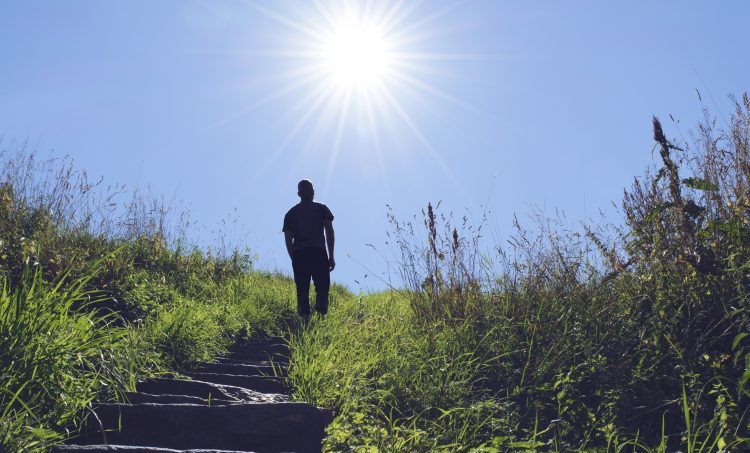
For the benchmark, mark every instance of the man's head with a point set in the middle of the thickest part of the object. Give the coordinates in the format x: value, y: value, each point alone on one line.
x: 305, y: 190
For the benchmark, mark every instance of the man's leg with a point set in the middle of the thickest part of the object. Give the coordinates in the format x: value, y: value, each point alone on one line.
x: 301, y: 268
x: 322, y: 278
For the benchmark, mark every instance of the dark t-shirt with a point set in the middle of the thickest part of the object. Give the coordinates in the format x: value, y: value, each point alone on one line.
x: 305, y: 221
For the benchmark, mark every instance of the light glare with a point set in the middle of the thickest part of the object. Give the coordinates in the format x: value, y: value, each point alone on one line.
x: 357, y: 58
x: 356, y: 54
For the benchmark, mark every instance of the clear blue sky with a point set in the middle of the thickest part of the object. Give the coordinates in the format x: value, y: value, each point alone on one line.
x: 213, y: 103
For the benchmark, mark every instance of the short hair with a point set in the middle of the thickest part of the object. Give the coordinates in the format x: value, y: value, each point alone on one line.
x: 305, y: 188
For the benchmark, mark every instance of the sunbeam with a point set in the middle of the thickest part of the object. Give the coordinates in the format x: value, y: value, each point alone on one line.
x: 339, y: 132
x: 356, y: 53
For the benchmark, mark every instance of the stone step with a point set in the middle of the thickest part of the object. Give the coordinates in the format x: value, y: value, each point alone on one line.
x: 262, y: 427
x: 263, y: 362
x: 260, y: 342
x: 261, y: 384
x: 130, y: 449
x: 244, y: 369
x: 267, y: 348
x: 254, y: 356
x: 138, y: 398
x: 206, y: 390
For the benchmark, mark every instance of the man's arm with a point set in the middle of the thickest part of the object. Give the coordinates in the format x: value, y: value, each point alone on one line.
x: 330, y: 240
x: 288, y: 239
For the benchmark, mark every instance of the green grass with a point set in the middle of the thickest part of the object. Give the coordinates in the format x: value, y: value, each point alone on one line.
x: 621, y: 338
x: 615, y: 338
x: 398, y: 385
x: 58, y: 355
x: 62, y: 349
x: 98, y: 293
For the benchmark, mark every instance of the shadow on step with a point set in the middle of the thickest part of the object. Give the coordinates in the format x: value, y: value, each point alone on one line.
x: 258, y: 427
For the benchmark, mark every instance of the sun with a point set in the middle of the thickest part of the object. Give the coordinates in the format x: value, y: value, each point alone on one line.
x: 357, y: 67
x: 356, y: 54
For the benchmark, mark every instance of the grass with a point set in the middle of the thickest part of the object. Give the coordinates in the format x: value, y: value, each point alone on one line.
x: 622, y: 338
x: 99, y: 289
x: 397, y: 385
x: 58, y: 354
x: 627, y: 337
x: 63, y: 349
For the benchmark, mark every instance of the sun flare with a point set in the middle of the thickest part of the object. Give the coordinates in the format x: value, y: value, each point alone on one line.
x: 356, y: 54
x: 355, y: 69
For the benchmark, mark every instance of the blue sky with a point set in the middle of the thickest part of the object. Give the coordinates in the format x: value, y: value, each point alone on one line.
x: 518, y: 104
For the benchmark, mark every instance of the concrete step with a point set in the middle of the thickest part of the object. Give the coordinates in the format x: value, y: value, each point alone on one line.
x: 261, y: 384
x: 262, y: 427
x: 267, y: 348
x: 256, y: 356
x: 244, y: 369
x: 130, y: 449
x: 263, y: 362
x: 138, y: 398
x: 235, y: 405
x: 206, y: 390
x: 260, y: 343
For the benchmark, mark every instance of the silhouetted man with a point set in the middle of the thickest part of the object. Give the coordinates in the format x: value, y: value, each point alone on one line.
x: 304, y: 225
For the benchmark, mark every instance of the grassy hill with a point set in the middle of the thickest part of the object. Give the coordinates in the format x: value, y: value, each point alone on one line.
x: 632, y: 337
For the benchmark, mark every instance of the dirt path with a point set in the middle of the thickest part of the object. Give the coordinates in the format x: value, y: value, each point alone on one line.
x: 236, y: 404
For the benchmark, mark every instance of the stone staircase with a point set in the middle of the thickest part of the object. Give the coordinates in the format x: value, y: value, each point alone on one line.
x: 238, y: 403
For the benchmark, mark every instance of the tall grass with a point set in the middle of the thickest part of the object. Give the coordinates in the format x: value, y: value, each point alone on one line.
x: 58, y: 354
x: 626, y: 337
x: 62, y: 350
x: 100, y: 288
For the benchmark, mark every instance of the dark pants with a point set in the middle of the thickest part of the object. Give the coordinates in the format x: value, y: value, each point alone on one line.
x: 311, y: 262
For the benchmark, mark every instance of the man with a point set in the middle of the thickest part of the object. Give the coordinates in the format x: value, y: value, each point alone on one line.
x: 304, y: 226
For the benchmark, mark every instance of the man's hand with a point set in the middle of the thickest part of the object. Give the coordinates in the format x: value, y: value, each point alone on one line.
x: 289, y: 243
x: 330, y: 240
